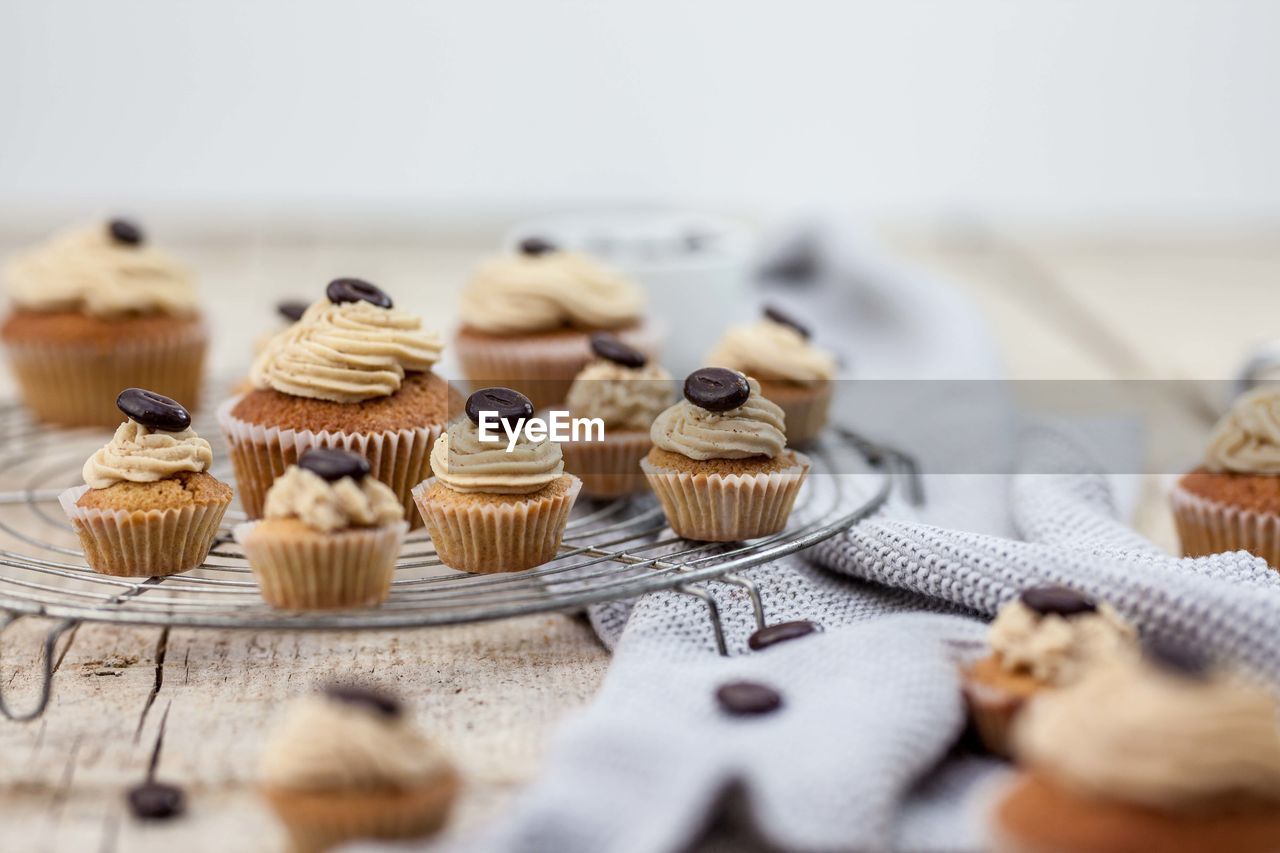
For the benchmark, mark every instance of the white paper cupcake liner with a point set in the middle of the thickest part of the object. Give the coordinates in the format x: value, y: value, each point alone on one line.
x: 1209, y: 527
x: 806, y: 410
x: 609, y: 468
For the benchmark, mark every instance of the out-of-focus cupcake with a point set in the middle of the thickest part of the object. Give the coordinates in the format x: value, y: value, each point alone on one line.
x: 1046, y: 638
x: 288, y: 312
x: 490, y: 509
x: 720, y: 464
x: 95, y: 310
x: 527, y: 319
x: 1156, y: 754
x: 349, y: 764
x: 149, y: 507
x: 626, y: 393
x: 353, y: 373
x: 330, y: 535
x: 1232, y: 501
x: 795, y: 374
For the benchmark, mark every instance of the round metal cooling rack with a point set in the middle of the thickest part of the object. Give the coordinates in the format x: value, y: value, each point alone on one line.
x: 611, y: 551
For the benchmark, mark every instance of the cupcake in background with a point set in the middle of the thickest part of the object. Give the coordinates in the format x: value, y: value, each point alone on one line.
x: 1046, y: 638
x: 795, y: 374
x: 95, y: 310
x: 287, y: 312
x: 349, y: 764
x: 527, y: 319
x: 627, y: 393
x: 1232, y: 501
x: 329, y: 537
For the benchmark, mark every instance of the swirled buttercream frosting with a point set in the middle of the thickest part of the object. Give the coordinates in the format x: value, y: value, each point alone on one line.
x: 140, y: 455
x: 464, y: 463
x: 326, y: 506
x: 1247, y: 439
x: 346, y: 352
x: 624, y: 398
x: 753, y: 429
x: 773, y: 351
x: 1058, y: 649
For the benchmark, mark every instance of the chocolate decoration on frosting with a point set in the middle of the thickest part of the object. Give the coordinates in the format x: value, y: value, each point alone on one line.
x: 512, y: 407
x: 156, y: 801
x: 748, y: 698
x: 535, y: 246
x: 125, y: 233
x: 1058, y: 600
x: 356, y: 290
x: 383, y: 704
x: 780, y: 633
x: 331, y: 464
x: 292, y: 309
x: 778, y: 315
x: 154, y: 411
x: 716, y: 389
x: 1178, y: 659
x: 610, y: 348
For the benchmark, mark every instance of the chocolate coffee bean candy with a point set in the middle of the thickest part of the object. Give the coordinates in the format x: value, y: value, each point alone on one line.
x: 292, y: 309
x: 331, y: 464
x: 537, y: 246
x: 512, y: 407
x: 610, y: 348
x: 716, y: 389
x: 154, y: 411
x: 778, y: 315
x: 1057, y: 600
x: 377, y: 701
x: 125, y: 233
x: 780, y: 633
x: 356, y: 290
x: 1179, y: 659
x: 156, y: 801
x: 748, y: 698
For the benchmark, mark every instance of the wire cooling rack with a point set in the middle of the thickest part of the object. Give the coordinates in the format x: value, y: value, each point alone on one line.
x: 612, y: 551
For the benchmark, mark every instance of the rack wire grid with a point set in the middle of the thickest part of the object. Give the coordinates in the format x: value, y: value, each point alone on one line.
x: 612, y: 550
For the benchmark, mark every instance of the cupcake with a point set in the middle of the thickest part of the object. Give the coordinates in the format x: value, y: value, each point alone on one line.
x: 626, y: 394
x: 353, y: 373
x: 96, y: 310
x: 1046, y: 638
x: 1232, y: 501
x: 527, y: 319
x: 792, y: 372
x: 492, y: 507
x: 330, y: 535
x: 348, y: 764
x: 720, y: 465
x: 149, y: 507
x: 1156, y: 754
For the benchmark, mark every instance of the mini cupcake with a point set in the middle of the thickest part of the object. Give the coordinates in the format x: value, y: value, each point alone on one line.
x: 96, y: 310
x: 353, y: 373
x: 527, y: 319
x: 793, y: 372
x: 626, y: 393
x: 1232, y: 502
x: 148, y: 507
x: 1156, y: 754
x: 1046, y: 638
x: 348, y: 764
x: 489, y: 508
x: 330, y: 536
x: 720, y: 465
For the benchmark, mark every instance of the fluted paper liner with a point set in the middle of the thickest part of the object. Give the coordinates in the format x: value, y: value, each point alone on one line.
x: 259, y: 454
x: 490, y: 537
x: 1210, y: 527
x: 143, y: 543
x: 993, y: 711
x: 805, y: 408
x: 76, y: 384
x: 609, y: 468
x: 726, y: 507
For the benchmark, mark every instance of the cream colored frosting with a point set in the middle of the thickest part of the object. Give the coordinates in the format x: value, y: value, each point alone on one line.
x: 1247, y: 439
x: 753, y: 429
x: 325, y: 745
x: 464, y: 463
x: 140, y: 455
x: 86, y: 270
x: 1058, y: 649
x: 533, y: 293
x: 324, y: 506
x: 625, y: 398
x: 1130, y: 732
x: 773, y: 351
x: 346, y: 352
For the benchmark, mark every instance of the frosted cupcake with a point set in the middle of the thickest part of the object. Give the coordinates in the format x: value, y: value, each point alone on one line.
x: 793, y: 373
x: 330, y: 535
x: 1232, y: 502
x: 1162, y: 754
x: 349, y: 764
x: 149, y: 507
x: 527, y: 319
x: 1046, y: 638
x: 353, y: 373
x: 96, y: 310
x: 720, y: 465
x: 626, y: 393
x: 490, y: 510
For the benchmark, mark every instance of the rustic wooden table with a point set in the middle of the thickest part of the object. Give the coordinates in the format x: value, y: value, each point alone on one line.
x: 198, y: 701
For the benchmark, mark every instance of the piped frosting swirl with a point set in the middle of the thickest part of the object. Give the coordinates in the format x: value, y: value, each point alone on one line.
x: 326, y: 506
x: 1058, y: 649
x: 773, y: 351
x: 464, y: 463
x: 625, y: 398
x: 756, y: 428
x: 1247, y: 439
x: 140, y: 455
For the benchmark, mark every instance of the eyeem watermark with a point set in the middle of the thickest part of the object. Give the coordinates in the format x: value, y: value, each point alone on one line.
x: 558, y: 426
